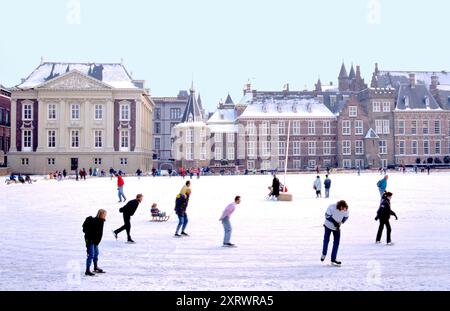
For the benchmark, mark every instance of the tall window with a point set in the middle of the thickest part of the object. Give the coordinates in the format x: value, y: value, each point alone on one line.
x: 426, y: 147
x: 312, y: 163
x: 189, y: 153
x: 437, y: 147
x: 414, y: 149
x: 125, y: 112
x: 297, y: 164
x: 347, y: 163
x: 437, y: 127
x: 296, y: 128
x: 281, y: 128
x: 218, y: 137
x: 251, y: 164
x: 218, y: 153
x: 51, y: 110
x: 296, y: 148
x: 376, y: 107
x: 382, y: 147
x: 379, y: 126
x: 311, y: 127
x: 346, y: 127
x: 98, y: 112
x: 230, y: 153
x: 281, y: 148
x: 251, y: 148
x: 413, y: 127
x: 401, y: 127
x: 51, y: 139
x: 326, y: 147
x: 265, y: 128
x: 251, y: 128
x: 157, y: 128
x: 158, y: 114
x: 265, y: 149
x: 386, y: 107
x: 230, y: 138
x: 27, y: 112
x: 401, y: 147
x: 203, y: 153
x: 359, y: 147
x: 425, y: 127
x: 75, y: 138
x: 189, y: 136
x: 353, y: 111
x: 27, y: 144
x: 386, y: 129
x: 359, y: 128
x: 157, y: 144
x: 75, y: 112
x: 346, y: 147
x: 175, y: 113
x: 326, y: 127
x: 311, y: 148
x: 98, y: 139
x: 124, y: 140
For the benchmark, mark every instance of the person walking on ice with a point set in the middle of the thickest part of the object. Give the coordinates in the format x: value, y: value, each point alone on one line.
x: 327, y: 184
x: 318, y: 187
x: 382, y: 185
x: 93, y: 232
x: 225, y: 219
x: 335, y: 216
x: 128, y: 210
x: 383, y: 215
x: 120, y: 184
x: 181, y: 204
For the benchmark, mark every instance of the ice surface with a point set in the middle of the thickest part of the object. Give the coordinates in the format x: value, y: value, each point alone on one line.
x: 279, y: 243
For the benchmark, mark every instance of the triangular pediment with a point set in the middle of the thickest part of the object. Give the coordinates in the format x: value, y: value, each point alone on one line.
x: 74, y: 80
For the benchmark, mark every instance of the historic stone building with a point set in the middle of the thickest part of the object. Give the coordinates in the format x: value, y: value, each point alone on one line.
x: 191, y: 137
x: 5, y: 123
x: 224, y: 129
x: 80, y: 115
x: 168, y: 114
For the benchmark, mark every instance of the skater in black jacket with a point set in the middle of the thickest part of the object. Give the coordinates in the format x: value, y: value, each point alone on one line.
x: 93, y: 232
x: 383, y: 215
x: 128, y: 210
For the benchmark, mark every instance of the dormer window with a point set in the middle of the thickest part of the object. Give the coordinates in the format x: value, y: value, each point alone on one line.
x: 222, y: 116
x: 427, y: 101
x: 279, y: 108
x: 406, y: 101
x: 294, y: 108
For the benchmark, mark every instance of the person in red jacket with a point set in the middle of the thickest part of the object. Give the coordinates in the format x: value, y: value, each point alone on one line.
x: 120, y: 184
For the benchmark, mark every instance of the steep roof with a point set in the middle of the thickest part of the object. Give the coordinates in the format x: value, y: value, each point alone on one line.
x: 343, y: 72
x: 113, y: 74
x: 229, y: 101
x: 352, y: 73
x: 193, y: 111
x: 395, y: 78
x: 415, y: 98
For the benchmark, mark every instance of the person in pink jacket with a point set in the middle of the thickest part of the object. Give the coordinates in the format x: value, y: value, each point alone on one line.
x: 225, y: 219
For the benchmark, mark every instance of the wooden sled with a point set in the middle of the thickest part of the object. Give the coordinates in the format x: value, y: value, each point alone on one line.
x: 159, y: 218
x: 287, y: 197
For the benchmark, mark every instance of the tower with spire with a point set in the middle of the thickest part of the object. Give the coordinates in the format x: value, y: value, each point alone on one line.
x: 191, y: 137
x: 344, y: 81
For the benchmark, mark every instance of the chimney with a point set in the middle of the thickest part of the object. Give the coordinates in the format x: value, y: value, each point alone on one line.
x: 412, y: 80
x: 434, y: 82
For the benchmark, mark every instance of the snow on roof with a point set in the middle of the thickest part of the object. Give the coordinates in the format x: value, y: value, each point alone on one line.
x: 443, y: 87
x: 114, y: 75
x: 223, y: 128
x: 246, y: 99
x: 330, y: 88
x: 371, y: 134
x: 191, y: 124
x: 392, y: 78
x: 223, y: 116
x: 290, y: 108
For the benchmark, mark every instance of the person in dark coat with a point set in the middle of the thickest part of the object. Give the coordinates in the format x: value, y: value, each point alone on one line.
x: 383, y: 215
x: 93, y: 233
x: 275, y: 186
x: 181, y: 204
x: 128, y: 210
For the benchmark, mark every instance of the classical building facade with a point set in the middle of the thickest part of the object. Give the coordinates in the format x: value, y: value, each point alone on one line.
x: 168, y: 114
x: 80, y: 115
x: 5, y: 123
